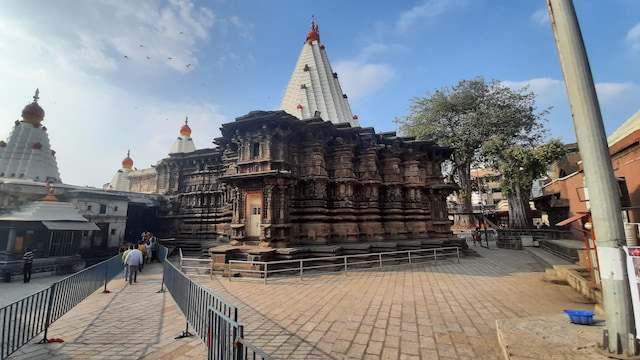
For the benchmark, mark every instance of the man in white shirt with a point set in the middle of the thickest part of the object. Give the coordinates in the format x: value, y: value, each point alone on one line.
x: 134, y: 260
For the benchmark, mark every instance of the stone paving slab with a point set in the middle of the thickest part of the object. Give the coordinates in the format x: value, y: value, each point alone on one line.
x: 445, y: 311
x: 524, y: 338
x: 130, y: 322
x: 17, y: 289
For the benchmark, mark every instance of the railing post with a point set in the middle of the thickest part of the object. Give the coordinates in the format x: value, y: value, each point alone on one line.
x: 380, y: 260
x: 266, y: 272
x: 409, y: 253
x: 186, y: 332
x: 301, y: 266
x: 106, y: 278
x: 49, y: 310
x: 458, y: 253
x: 239, y: 347
x: 435, y: 256
x: 345, y: 265
x: 229, y: 272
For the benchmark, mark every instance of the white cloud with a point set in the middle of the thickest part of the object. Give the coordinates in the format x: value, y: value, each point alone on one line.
x: 633, y: 37
x: 541, y: 17
x: 609, y: 92
x: 427, y: 9
x: 548, y: 91
x: 359, y: 79
x: 94, y: 113
x: 99, y: 34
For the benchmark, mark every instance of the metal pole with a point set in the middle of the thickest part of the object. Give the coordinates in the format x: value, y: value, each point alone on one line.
x: 598, y: 171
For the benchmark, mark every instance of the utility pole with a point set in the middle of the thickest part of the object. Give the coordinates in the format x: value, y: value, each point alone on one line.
x: 619, y: 332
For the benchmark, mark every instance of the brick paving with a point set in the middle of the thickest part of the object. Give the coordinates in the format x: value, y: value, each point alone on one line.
x: 443, y: 311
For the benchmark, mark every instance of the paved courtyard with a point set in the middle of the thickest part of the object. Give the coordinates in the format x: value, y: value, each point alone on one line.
x: 443, y: 311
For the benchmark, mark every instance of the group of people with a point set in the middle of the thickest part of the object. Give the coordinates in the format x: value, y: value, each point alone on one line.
x: 136, y: 256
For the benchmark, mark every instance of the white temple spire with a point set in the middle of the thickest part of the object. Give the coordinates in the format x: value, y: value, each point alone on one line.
x: 314, y: 89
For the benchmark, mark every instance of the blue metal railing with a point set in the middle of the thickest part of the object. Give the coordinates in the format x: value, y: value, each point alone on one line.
x: 226, y: 339
x: 24, y: 319
x: 214, y: 320
x: 192, y: 298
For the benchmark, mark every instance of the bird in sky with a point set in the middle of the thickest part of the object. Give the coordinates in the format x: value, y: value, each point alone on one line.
x: 126, y: 57
x: 141, y: 45
x: 188, y: 65
x: 148, y: 58
x: 169, y: 58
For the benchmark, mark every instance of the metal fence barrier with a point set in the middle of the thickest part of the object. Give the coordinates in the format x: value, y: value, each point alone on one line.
x: 263, y: 269
x: 226, y: 340
x: 198, y: 304
x: 200, y: 265
x: 24, y: 319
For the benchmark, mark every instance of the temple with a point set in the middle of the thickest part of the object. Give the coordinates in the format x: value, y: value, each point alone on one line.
x: 304, y: 179
x: 27, y: 153
x: 305, y: 175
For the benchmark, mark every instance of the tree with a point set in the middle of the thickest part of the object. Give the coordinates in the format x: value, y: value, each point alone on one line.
x: 520, y: 161
x: 465, y: 117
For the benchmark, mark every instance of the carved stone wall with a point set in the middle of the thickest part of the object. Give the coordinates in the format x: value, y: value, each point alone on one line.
x: 319, y: 183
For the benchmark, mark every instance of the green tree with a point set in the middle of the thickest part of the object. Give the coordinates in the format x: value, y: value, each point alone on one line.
x: 520, y: 161
x: 465, y: 117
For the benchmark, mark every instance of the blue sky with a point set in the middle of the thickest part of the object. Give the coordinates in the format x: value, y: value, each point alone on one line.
x: 123, y: 75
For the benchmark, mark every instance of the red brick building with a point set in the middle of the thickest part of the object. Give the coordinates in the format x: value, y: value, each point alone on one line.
x: 565, y: 196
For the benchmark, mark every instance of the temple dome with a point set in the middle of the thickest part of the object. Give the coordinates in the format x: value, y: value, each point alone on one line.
x: 313, y: 34
x: 185, y: 130
x: 33, y: 113
x: 127, y: 163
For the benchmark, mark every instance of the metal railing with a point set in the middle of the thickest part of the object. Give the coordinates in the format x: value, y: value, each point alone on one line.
x: 263, y: 269
x: 200, y: 265
x: 197, y: 304
x: 229, y: 342
x: 24, y: 319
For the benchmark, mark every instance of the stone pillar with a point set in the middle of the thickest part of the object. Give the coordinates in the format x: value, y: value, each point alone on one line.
x: 11, y: 244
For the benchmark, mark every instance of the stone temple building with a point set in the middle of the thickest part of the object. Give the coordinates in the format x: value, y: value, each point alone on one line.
x: 305, y: 175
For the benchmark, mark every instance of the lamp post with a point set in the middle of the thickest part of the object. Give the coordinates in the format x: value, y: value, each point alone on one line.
x: 482, y: 215
x: 619, y: 333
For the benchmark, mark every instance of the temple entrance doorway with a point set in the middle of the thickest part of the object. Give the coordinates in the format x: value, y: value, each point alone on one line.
x: 254, y: 211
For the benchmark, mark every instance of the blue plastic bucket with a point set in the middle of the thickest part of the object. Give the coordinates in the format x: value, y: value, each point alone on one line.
x: 581, y: 317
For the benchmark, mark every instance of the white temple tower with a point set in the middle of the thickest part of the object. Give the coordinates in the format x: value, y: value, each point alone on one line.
x: 120, y: 181
x: 184, y: 143
x: 314, y: 89
x: 27, y: 153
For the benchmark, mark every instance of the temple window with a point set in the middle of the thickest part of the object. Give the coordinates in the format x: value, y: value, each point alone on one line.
x: 255, y: 150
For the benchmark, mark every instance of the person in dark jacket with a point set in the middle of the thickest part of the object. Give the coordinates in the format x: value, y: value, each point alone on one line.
x: 27, y: 266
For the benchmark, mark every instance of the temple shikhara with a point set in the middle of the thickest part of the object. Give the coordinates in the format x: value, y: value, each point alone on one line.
x: 305, y: 176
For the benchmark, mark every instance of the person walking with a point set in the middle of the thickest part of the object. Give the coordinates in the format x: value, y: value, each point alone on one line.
x: 124, y: 262
x: 134, y: 260
x: 27, y: 267
x: 143, y: 249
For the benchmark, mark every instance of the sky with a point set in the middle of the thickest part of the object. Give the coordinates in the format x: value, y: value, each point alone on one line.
x: 117, y: 76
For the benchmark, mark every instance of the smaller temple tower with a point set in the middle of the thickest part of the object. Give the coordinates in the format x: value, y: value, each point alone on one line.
x: 184, y: 143
x: 120, y: 181
x: 27, y: 154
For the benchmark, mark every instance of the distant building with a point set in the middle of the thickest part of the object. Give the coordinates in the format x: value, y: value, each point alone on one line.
x: 565, y: 196
x: 61, y: 222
